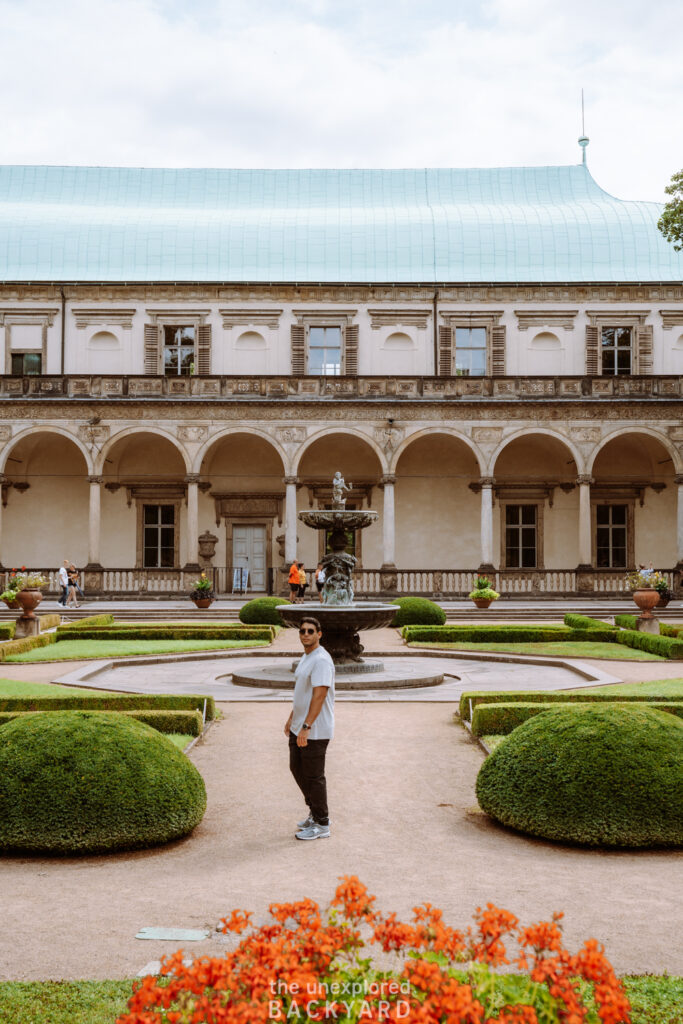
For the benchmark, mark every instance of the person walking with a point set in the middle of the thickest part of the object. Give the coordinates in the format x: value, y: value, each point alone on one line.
x: 303, y: 582
x: 63, y: 578
x: 72, y: 575
x: 320, y: 580
x: 293, y: 581
x: 310, y: 727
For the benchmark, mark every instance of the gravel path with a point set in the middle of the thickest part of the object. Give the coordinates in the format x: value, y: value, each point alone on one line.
x: 404, y: 819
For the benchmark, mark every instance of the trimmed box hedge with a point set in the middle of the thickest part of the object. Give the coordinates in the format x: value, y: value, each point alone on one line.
x: 498, y: 635
x: 6, y: 630
x: 187, y: 723
x: 664, y: 646
x: 413, y: 611
x: 49, y: 621
x: 501, y: 719
x: 475, y: 698
x: 586, y: 622
x: 89, y: 620
x: 625, y: 621
x: 264, y: 633
x: 113, y: 702
x: 27, y: 643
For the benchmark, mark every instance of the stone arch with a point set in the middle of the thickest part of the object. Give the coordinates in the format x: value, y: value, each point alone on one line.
x: 426, y: 432
x: 231, y: 432
x: 335, y: 432
x: 61, y: 431
x: 535, y: 431
x: 131, y: 432
x: 648, y: 432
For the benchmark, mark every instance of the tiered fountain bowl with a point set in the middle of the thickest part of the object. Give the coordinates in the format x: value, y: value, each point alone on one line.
x: 341, y: 618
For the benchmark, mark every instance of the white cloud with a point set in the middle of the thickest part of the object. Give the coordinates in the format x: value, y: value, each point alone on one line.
x: 311, y: 83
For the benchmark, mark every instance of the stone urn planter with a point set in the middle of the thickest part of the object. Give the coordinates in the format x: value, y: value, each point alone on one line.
x: 29, y: 599
x: 646, y: 599
x: 203, y: 602
x: 482, y: 602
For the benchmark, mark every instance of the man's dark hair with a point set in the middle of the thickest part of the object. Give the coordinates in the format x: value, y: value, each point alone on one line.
x: 312, y: 622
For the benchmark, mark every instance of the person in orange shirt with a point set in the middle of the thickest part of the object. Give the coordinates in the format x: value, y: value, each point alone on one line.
x: 293, y: 581
x: 303, y: 582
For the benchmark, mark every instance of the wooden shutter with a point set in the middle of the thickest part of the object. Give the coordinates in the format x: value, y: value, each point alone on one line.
x: 151, y: 348
x: 351, y: 351
x: 498, y: 351
x: 645, y: 349
x: 204, y: 349
x: 298, y: 350
x: 592, y: 350
x: 445, y: 368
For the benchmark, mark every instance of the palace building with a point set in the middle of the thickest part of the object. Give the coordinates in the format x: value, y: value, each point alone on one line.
x: 493, y: 359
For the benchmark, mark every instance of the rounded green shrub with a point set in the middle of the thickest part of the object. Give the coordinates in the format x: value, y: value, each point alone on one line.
x: 262, y: 610
x: 417, y: 611
x: 595, y: 775
x: 92, y: 782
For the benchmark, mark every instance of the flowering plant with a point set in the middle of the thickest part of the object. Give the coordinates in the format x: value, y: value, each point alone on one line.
x: 309, y: 966
x: 646, y: 579
x: 203, y: 587
x: 483, y: 590
x: 24, y: 579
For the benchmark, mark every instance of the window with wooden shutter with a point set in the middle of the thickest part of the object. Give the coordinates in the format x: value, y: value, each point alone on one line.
x: 151, y: 348
x: 592, y: 350
x: 204, y: 349
x: 645, y: 349
x: 497, y: 351
x: 298, y: 350
x: 351, y: 350
x: 445, y: 368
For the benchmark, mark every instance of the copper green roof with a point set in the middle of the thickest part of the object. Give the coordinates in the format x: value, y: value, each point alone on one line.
x: 425, y: 225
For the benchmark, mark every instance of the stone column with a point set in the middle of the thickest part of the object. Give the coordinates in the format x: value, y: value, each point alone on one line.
x: 584, y: 571
x: 2, y: 481
x: 290, y: 519
x: 94, y: 523
x: 486, y: 564
x: 192, y: 537
x: 388, y: 523
x: 678, y: 569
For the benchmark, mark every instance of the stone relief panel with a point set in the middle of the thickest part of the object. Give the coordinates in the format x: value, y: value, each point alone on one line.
x: 94, y: 434
x: 487, y: 435
x: 585, y: 435
x: 290, y: 435
x: 5, y: 433
x: 192, y: 433
x: 388, y: 438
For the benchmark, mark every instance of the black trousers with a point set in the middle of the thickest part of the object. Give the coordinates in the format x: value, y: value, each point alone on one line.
x: 307, y: 765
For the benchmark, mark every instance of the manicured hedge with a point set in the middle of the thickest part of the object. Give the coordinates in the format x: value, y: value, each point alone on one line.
x: 501, y: 719
x: 89, y: 620
x: 112, y: 702
x: 585, y: 622
x: 264, y: 633
x: 188, y: 723
x: 77, y: 782
x: 27, y: 643
x: 592, y: 775
x: 665, y: 646
x: 6, y: 630
x: 49, y: 621
x: 414, y: 611
x: 670, y: 629
x: 477, y: 697
x: 507, y: 634
x: 262, y: 610
x: 625, y: 621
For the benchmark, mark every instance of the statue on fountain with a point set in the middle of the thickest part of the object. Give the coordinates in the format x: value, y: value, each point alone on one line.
x: 338, y: 487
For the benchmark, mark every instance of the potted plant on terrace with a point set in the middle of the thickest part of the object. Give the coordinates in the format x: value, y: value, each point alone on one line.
x: 9, y: 594
x: 202, y: 593
x: 645, y: 584
x: 665, y: 594
x: 483, y: 593
x: 29, y: 594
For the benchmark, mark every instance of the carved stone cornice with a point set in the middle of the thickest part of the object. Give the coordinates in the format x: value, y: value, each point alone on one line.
x: 28, y: 315
x: 116, y: 317
x: 177, y: 314
x: 671, y: 318
x: 563, y: 318
x: 471, y: 317
x: 250, y: 318
x: 399, y: 318
x: 617, y: 317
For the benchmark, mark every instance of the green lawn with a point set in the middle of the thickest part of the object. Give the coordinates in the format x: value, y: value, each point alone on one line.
x: 559, y: 649
x: 19, y: 688
x: 657, y: 688
x: 179, y: 739
x: 654, y: 1000
x: 80, y: 650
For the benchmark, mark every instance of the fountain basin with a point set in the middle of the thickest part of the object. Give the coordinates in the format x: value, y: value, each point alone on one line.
x: 340, y: 624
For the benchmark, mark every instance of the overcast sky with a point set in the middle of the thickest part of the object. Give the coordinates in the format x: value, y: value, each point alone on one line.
x: 346, y: 83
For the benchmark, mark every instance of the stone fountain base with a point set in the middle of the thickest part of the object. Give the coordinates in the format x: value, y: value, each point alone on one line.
x: 341, y: 625
x: 280, y: 676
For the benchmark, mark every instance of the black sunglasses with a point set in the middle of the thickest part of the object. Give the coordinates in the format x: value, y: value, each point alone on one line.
x: 308, y: 630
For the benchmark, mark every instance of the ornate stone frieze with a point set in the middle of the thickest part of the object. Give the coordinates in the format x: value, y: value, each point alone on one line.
x: 487, y: 435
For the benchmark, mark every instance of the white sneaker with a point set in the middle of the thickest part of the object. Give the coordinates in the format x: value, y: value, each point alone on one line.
x: 314, y: 832
x: 306, y: 823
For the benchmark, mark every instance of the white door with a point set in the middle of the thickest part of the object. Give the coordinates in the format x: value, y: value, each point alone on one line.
x: 249, y: 552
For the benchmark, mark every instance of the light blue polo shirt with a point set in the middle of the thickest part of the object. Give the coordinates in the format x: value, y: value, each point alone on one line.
x: 314, y: 669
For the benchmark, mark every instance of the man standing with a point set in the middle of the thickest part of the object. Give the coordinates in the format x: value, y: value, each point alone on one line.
x: 64, y: 582
x: 310, y: 727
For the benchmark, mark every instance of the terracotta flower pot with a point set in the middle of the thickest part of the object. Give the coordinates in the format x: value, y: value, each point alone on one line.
x: 203, y: 602
x: 663, y: 601
x: 646, y: 599
x: 482, y: 602
x: 12, y: 604
x: 29, y: 599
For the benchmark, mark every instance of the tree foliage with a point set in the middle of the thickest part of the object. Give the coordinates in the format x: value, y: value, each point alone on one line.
x: 671, y: 221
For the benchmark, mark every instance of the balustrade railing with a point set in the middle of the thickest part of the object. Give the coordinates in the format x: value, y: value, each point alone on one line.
x: 112, y: 387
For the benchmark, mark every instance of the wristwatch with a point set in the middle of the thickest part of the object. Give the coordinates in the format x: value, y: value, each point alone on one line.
x: 305, y: 726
